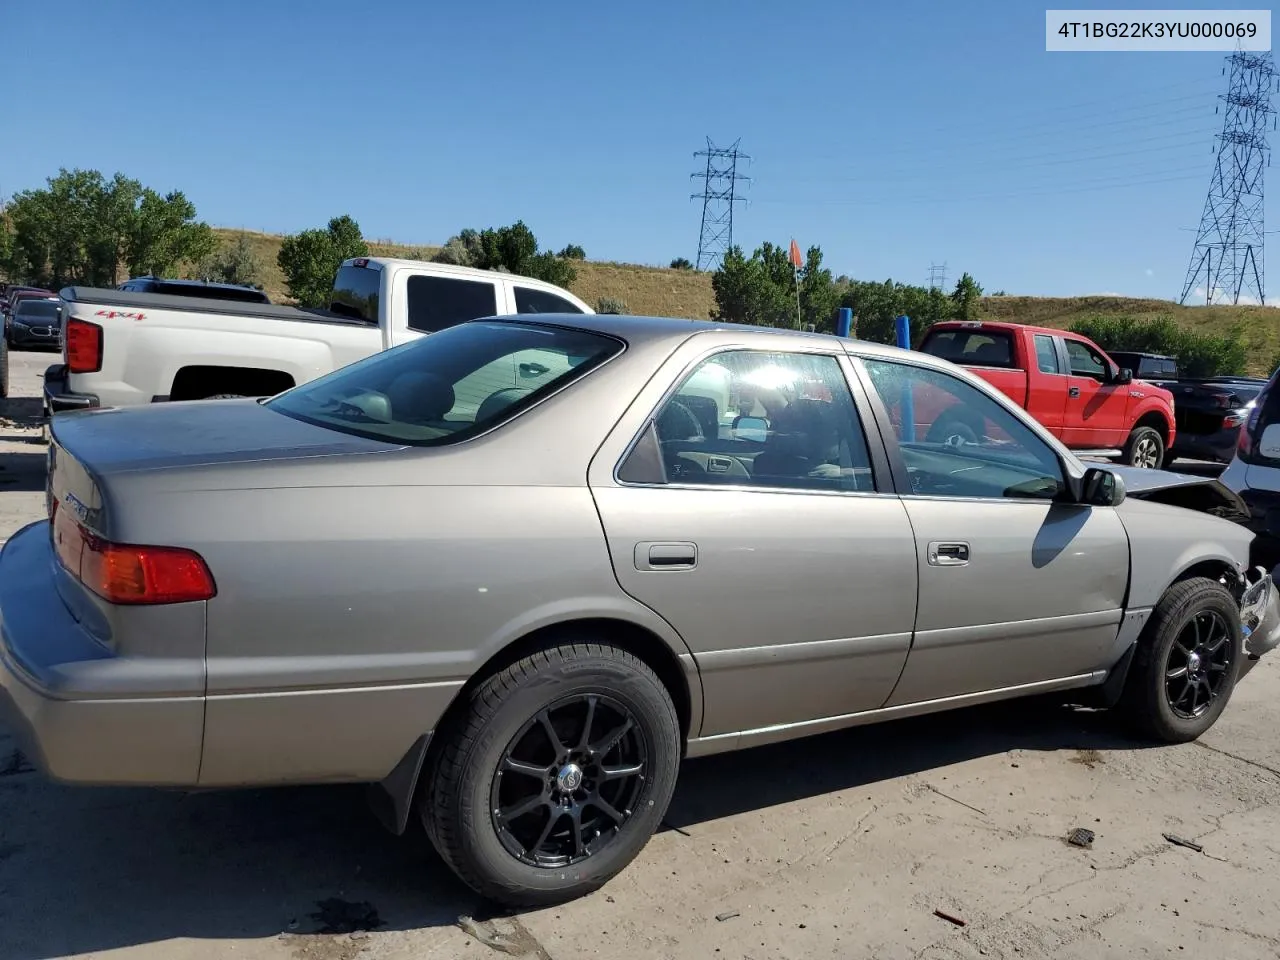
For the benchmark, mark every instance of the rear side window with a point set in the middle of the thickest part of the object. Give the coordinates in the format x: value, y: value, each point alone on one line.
x: 529, y: 300
x: 437, y: 303
x: 1046, y: 354
x: 450, y: 386
x: 974, y: 348
x: 355, y: 293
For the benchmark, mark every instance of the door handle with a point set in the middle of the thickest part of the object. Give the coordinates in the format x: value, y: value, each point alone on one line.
x: 666, y: 555
x: 948, y: 554
x: 1073, y: 391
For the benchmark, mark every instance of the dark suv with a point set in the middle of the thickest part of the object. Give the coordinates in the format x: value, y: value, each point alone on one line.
x: 195, y: 288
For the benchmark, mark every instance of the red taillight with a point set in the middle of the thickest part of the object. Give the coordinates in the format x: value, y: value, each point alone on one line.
x: 130, y: 574
x: 82, y: 346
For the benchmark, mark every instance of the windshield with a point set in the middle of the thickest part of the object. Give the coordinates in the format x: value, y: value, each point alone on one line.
x: 36, y: 308
x: 449, y: 386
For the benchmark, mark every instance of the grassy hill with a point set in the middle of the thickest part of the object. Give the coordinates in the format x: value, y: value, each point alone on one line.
x: 687, y: 293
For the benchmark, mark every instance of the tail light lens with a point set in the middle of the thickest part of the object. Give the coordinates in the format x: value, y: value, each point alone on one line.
x: 1235, y: 418
x: 130, y: 574
x: 82, y: 346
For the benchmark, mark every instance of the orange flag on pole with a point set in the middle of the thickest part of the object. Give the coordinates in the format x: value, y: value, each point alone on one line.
x: 796, y: 260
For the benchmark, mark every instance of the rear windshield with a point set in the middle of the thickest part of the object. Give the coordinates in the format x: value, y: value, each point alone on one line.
x: 449, y: 386
x: 36, y: 308
x: 355, y: 293
x: 975, y: 348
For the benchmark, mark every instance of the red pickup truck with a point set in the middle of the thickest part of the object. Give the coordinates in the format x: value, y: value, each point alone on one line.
x: 1066, y: 382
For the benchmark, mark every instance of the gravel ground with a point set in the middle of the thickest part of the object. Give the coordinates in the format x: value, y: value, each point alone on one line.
x: 838, y: 846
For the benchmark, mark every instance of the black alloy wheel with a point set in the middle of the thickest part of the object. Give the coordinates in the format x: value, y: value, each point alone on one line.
x: 1198, y: 665
x: 569, y: 780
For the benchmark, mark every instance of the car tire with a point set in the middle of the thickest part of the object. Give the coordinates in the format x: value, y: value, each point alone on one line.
x: 1144, y: 448
x: 1194, y: 628
x: 955, y: 428
x: 471, y: 774
x: 4, y: 367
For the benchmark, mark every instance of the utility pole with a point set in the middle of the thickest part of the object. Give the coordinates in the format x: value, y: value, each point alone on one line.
x: 1228, y: 255
x: 719, y: 193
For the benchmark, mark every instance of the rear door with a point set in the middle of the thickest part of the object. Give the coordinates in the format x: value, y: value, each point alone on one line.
x: 1048, y: 384
x: 780, y: 553
x: 1096, y: 413
x: 433, y: 302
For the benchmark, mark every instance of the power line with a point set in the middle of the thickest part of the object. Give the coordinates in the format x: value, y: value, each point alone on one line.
x: 719, y: 194
x: 1228, y: 256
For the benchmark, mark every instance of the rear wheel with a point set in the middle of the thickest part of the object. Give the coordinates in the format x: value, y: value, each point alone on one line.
x: 1144, y: 448
x: 554, y: 774
x: 1186, y: 663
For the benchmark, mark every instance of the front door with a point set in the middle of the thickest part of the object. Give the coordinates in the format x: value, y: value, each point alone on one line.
x: 1017, y: 586
x: 1097, y: 409
x: 753, y: 518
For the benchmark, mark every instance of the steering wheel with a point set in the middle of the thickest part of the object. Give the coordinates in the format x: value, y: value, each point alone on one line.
x: 683, y: 425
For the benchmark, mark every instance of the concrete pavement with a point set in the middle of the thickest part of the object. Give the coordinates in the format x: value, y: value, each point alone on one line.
x: 838, y: 846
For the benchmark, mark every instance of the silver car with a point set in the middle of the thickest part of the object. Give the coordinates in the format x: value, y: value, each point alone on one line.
x: 512, y: 573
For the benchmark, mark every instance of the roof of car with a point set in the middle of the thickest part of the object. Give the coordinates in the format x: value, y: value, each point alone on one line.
x: 644, y: 328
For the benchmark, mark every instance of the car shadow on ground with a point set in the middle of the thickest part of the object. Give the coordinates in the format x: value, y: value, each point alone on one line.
x: 86, y: 870
x: 22, y: 471
x: 21, y: 412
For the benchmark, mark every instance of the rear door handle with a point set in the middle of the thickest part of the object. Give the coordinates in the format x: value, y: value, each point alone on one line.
x: 666, y: 555
x: 943, y: 554
x: 1073, y: 392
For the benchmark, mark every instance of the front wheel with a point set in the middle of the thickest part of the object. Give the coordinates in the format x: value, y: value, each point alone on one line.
x: 1144, y: 448
x: 553, y: 775
x: 1186, y: 663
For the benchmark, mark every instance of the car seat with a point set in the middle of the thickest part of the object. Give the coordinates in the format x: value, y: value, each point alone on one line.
x: 418, y: 397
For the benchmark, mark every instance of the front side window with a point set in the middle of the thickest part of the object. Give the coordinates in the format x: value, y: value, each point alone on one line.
x: 958, y: 441
x: 448, y: 387
x: 1085, y: 361
x: 751, y: 418
x: 530, y: 300
x: 437, y: 303
x: 1046, y: 354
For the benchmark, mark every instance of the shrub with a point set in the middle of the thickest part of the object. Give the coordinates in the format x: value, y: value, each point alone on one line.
x: 611, y: 305
x: 680, y: 263
x: 1199, y: 354
x: 572, y: 252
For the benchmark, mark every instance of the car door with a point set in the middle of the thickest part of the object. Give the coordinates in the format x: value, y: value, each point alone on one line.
x: 1018, y: 586
x: 761, y: 524
x: 1097, y: 409
x: 435, y: 302
x: 1048, y: 385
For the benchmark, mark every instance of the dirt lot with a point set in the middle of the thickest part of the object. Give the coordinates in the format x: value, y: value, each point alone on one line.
x: 837, y: 846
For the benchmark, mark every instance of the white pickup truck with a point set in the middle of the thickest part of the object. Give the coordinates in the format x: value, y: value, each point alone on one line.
x: 122, y: 348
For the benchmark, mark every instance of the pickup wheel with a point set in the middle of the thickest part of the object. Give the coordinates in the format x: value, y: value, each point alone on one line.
x: 4, y: 367
x: 1186, y: 663
x: 955, y: 428
x: 1144, y: 448
x: 553, y: 774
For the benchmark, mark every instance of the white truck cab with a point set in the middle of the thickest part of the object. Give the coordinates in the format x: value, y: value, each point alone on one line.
x: 122, y: 348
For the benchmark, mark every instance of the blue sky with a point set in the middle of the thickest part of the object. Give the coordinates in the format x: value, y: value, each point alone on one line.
x: 893, y: 135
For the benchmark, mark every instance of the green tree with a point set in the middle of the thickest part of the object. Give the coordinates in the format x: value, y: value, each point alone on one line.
x: 235, y: 262
x: 761, y: 290
x: 310, y: 259
x: 965, y: 298
x: 572, y: 252
x: 819, y: 296
x: 680, y: 263
x: 81, y: 228
x: 510, y: 249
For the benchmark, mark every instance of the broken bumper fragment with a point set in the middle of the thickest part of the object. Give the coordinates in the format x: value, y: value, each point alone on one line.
x: 1260, y: 615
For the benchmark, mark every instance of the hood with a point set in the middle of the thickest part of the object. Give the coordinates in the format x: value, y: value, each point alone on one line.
x: 1204, y: 494
x: 168, y: 435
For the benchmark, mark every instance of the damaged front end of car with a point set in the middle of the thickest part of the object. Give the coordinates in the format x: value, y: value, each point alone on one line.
x: 1260, y: 615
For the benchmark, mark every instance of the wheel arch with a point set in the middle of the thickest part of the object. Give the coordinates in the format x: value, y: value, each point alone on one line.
x: 392, y: 798
x: 1157, y: 421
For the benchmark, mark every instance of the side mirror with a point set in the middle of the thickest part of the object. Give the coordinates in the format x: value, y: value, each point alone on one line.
x: 1269, y: 445
x: 754, y: 429
x: 1102, y: 488
x: 1124, y: 375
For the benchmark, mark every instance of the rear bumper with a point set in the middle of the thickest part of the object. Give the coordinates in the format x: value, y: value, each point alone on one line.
x: 58, y: 397
x: 65, y: 694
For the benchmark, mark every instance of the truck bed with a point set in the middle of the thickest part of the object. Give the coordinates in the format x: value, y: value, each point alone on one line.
x: 164, y: 301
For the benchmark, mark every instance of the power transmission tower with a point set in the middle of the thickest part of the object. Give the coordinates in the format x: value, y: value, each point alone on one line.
x: 719, y: 194
x: 1228, y: 255
x: 937, y: 276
